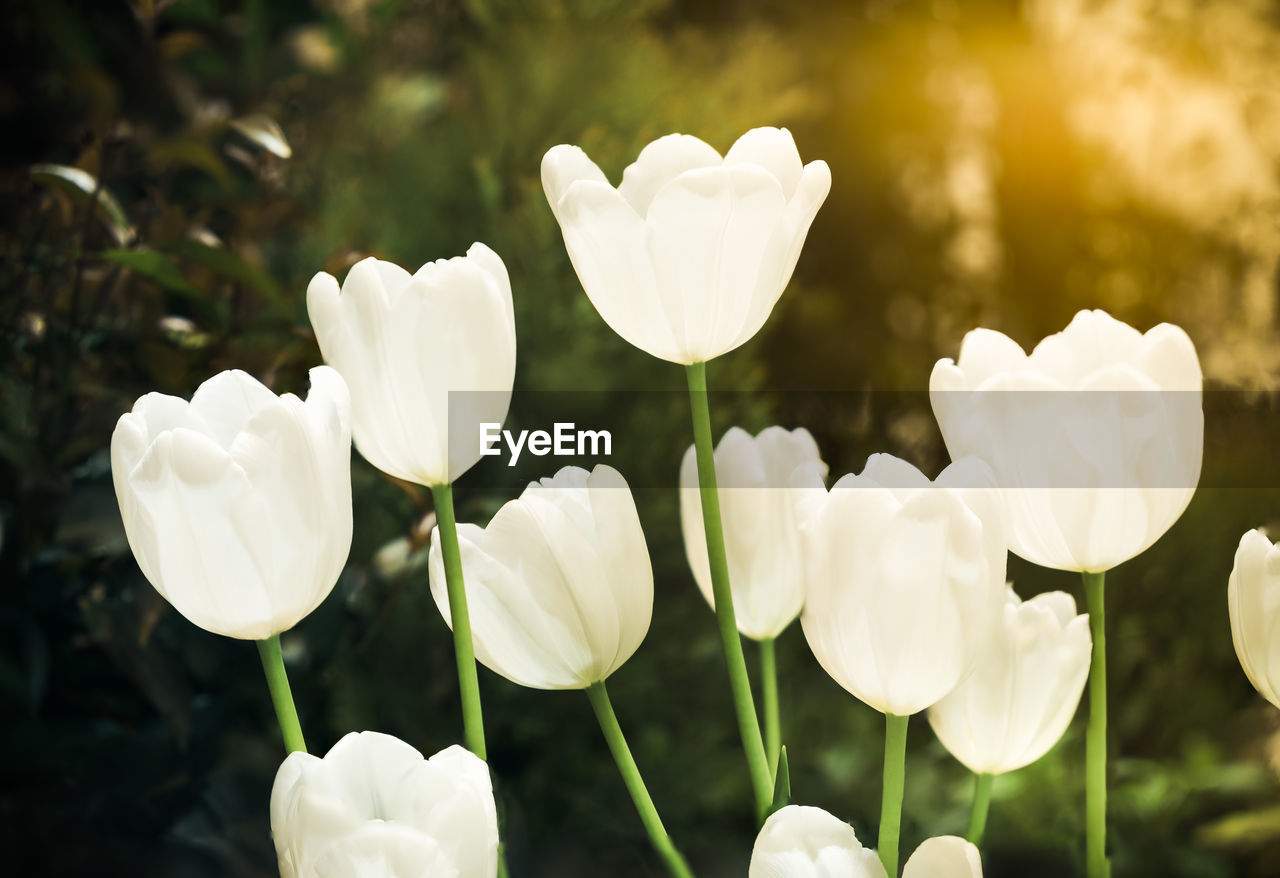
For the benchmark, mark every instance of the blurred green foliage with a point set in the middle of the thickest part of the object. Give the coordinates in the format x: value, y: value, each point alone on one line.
x: 175, y: 171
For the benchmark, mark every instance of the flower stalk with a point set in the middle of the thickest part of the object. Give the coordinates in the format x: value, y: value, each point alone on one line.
x: 1096, y: 734
x: 981, y: 806
x: 769, y: 695
x: 730, y: 642
x: 281, y: 695
x: 464, y: 652
x: 599, y: 698
x: 895, y: 769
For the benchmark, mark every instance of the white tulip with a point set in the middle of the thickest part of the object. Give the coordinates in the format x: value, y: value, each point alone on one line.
x: 944, y: 856
x: 237, y: 505
x: 687, y: 257
x: 374, y: 808
x: 559, y: 585
x: 799, y: 841
x: 1253, y: 599
x: 1096, y: 436
x: 761, y: 527
x: 429, y: 357
x: 1024, y: 690
x: 904, y: 579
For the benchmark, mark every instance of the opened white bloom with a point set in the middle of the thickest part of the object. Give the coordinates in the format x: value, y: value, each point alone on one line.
x: 559, y: 585
x: 758, y: 508
x: 237, y: 505
x: 687, y: 256
x: 904, y: 579
x: 374, y: 808
x: 1253, y: 598
x: 1024, y: 690
x: 429, y: 357
x: 1096, y: 436
x: 799, y: 841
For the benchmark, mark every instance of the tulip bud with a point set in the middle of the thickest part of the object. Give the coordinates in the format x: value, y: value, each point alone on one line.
x: 758, y: 508
x: 799, y: 841
x: 687, y: 257
x: 1096, y: 437
x: 1253, y: 599
x: 374, y: 806
x: 237, y: 505
x: 944, y: 856
x: 1024, y: 689
x: 904, y: 578
x: 429, y: 358
x: 559, y: 585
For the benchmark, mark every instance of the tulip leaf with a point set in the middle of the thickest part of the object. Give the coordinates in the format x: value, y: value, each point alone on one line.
x: 82, y: 185
x: 781, y: 783
x: 265, y: 132
x: 154, y: 266
x: 226, y: 263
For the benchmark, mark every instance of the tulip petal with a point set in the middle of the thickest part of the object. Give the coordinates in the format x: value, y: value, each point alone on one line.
x: 482, y: 257
x: 608, y: 245
x: 659, y: 163
x: 227, y: 401
x: 1091, y: 341
x: 384, y: 850
x: 449, y: 797
x: 562, y: 166
x: 984, y: 353
x: 532, y: 637
x: 1168, y: 355
x: 1253, y: 599
x: 773, y: 149
x: 945, y: 856
x: 716, y: 237
x: 625, y: 557
x: 352, y: 330
x: 896, y: 475
x: 298, y: 455
x: 452, y: 363
x: 207, y: 535
x: 799, y: 841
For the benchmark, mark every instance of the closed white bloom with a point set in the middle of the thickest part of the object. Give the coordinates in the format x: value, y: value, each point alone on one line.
x: 1096, y: 436
x: 687, y: 256
x: 904, y: 579
x: 237, y: 505
x: 559, y: 585
x: 1024, y: 689
x: 429, y: 357
x: 374, y: 808
x: 758, y: 509
x: 1253, y: 598
x: 800, y: 841
x: 944, y: 856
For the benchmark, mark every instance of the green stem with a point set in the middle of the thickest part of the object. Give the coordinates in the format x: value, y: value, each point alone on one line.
x: 981, y: 805
x: 769, y: 694
x: 895, y: 769
x: 468, y: 683
x: 608, y: 720
x: 281, y: 696
x: 730, y: 642
x: 1095, y: 783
